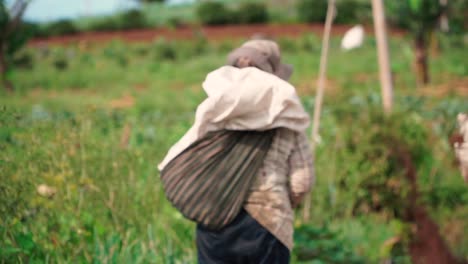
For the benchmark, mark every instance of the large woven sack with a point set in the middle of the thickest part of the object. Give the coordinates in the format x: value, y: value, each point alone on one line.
x: 209, y: 181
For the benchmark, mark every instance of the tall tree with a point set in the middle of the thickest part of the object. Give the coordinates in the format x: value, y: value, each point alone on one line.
x: 11, y: 39
x: 421, y: 18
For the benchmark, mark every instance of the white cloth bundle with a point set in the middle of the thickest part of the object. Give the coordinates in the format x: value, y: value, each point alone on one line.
x: 243, y: 99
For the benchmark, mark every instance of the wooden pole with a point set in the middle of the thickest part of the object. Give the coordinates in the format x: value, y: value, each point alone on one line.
x: 320, y: 93
x: 383, y: 56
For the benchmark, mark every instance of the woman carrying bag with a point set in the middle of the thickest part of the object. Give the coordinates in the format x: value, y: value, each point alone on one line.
x: 245, y: 163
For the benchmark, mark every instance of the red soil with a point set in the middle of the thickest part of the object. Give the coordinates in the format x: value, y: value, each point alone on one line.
x: 426, y: 245
x: 212, y: 33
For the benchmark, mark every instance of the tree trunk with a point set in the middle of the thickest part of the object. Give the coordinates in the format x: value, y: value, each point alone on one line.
x: 3, y: 72
x: 421, y: 60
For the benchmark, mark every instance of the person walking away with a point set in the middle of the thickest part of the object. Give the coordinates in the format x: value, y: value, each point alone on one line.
x: 251, y: 92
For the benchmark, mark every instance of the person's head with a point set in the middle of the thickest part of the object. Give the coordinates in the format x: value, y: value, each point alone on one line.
x: 262, y: 54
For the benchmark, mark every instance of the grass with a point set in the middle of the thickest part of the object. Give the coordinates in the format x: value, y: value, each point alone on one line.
x: 96, y: 129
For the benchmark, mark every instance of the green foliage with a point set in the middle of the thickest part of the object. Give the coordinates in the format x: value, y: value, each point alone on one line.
x: 348, y: 11
x: 457, y: 15
x: 251, y: 13
x: 105, y: 24
x: 24, y: 60
x: 4, y: 16
x: 416, y: 15
x: 13, y: 37
x: 352, y: 11
x: 61, y: 27
x: 217, y: 13
x: 214, y: 13
x: 164, y: 50
x: 67, y: 129
x: 388, y: 141
x: 132, y: 19
x: 116, y: 53
x: 321, y: 245
x: 312, y: 10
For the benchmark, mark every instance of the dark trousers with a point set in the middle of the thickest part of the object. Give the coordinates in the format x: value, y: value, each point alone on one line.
x: 243, y: 241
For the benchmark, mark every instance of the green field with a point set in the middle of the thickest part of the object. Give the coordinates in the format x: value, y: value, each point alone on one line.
x: 94, y: 120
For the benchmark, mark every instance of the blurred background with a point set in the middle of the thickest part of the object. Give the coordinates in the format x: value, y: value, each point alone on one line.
x: 93, y: 94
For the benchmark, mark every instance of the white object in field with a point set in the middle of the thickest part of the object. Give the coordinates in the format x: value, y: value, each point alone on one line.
x: 46, y: 191
x: 461, y: 149
x: 353, y: 38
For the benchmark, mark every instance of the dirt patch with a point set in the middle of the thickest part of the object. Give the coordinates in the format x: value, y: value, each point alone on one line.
x: 212, y: 33
x: 127, y: 101
x: 451, y: 87
x: 310, y: 87
x: 426, y: 245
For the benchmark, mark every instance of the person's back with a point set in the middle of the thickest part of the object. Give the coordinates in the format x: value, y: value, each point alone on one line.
x: 263, y: 232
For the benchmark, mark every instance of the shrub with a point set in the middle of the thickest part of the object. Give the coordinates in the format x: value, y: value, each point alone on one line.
x: 458, y: 16
x: 249, y: 13
x: 288, y: 45
x: 116, y: 52
x: 322, y: 245
x: 24, y: 60
x: 105, y: 24
x: 175, y: 22
x: 32, y: 29
x: 164, y: 50
x: 61, y: 27
x: 352, y: 11
x: 132, y: 19
x: 312, y: 10
x: 198, y: 46
x: 310, y: 43
x: 60, y: 64
x: 214, y: 13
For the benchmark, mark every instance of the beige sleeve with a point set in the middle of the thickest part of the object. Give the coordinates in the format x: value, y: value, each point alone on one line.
x: 301, y: 169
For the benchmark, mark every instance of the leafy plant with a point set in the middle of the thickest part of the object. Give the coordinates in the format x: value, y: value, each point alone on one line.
x: 109, y: 23
x: 421, y: 17
x: 352, y: 11
x: 321, y: 245
x: 312, y: 10
x: 12, y: 38
x: 132, y: 19
x: 250, y: 13
x: 164, y: 50
x: 61, y: 27
x: 214, y: 13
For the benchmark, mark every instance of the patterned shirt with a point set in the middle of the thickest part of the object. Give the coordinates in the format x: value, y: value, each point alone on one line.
x: 284, y: 179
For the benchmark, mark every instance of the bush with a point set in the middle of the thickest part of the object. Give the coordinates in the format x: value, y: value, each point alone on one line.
x: 116, y: 52
x: 322, y: 245
x: 104, y: 24
x: 175, y: 22
x: 132, y: 19
x: 164, y: 50
x: 250, y: 13
x: 458, y: 16
x: 352, y: 11
x: 215, y: 13
x: 312, y: 10
x: 24, y: 60
x: 61, y: 27
x: 32, y: 29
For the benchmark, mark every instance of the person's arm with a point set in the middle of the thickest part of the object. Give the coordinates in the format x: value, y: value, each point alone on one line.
x: 301, y: 169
